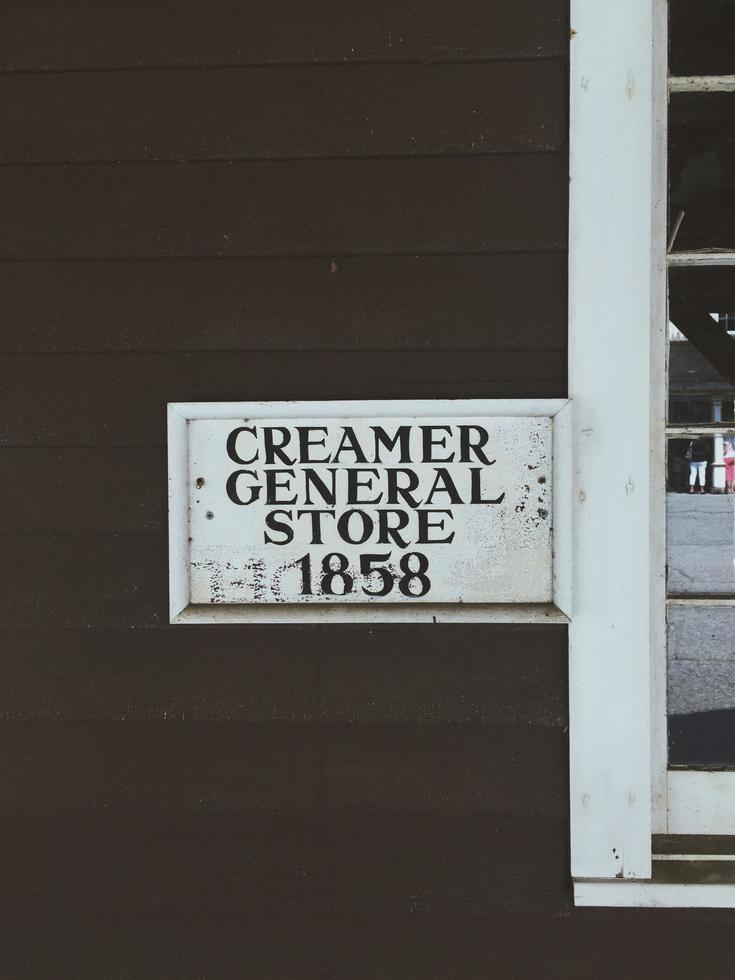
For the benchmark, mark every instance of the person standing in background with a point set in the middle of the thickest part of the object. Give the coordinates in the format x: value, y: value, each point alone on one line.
x: 697, y: 455
x: 728, y: 455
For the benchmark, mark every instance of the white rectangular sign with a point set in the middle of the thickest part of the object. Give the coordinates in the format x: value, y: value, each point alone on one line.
x: 326, y: 506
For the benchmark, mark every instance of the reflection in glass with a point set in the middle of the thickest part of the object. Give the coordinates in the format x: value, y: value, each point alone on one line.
x: 702, y: 171
x: 701, y: 36
x: 701, y: 346
x: 701, y: 463
x: 700, y: 479
x: 701, y: 685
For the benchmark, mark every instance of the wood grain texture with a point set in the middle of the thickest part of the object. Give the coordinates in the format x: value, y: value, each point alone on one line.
x: 108, y: 491
x: 120, y: 400
x: 226, y: 767
x: 454, y: 769
x: 84, y: 580
x: 179, y: 768
x: 472, y: 302
x: 296, y: 863
x: 438, y: 675
x: 39, y: 34
x: 38, y: 942
x: 328, y: 208
x: 208, y: 674
x: 445, y: 675
x: 262, y: 113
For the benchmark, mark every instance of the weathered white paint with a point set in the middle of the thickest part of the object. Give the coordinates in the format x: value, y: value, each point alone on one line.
x: 487, y: 511
x: 709, y: 601
x: 178, y: 513
x: 563, y: 510
x: 694, y: 857
x: 646, y: 894
x: 372, y: 614
x: 681, y: 431
x: 705, y: 257
x: 658, y: 361
x: 500, y: 555
x: 702, y: 83
x: 616, y: 385
x: 701, y: 802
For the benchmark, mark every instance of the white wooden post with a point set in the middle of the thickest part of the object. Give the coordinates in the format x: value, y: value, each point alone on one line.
x: 616, y: 384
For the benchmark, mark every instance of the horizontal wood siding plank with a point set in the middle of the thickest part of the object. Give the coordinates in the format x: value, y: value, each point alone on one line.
x: 472, y: 302
x: 455, y: 769
x: 39, y: 34
x: 84, y: 580
x: 92, y: 491
x: 445, y: 675
x: 293, y: 863
x: 113, y: 400
x: 262, y: 113
x: 434, y: 675
x: 332, y: 208
x: 191, y: 766
x: 206, y: 674
x: 51, y: 767
x: 300, y: 944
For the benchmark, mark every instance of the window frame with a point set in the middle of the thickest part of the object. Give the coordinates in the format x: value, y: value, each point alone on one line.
x: 621, y: 792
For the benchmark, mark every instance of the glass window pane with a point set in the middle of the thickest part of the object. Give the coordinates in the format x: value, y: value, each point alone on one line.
x: 700, y: 526
x: 701, y: 685
x: 701, y: 365
x: 702, y: 171
x: 701, y: 37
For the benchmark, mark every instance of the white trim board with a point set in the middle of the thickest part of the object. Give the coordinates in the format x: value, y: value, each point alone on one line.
x: 707, y: 257
x: 701, y: 802
x: 649, y: 894
x: 702, y: 83
x: 617, y: 258
x: 182, y: 612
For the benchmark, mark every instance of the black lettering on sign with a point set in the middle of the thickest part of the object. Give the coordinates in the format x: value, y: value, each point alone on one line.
x: 312, y: 480
x: 402, y: 437
x: 233, y: 488
x: 413, y: 583
x: 232, y: 446
x: 306, y: 442
x: 273, y: 448
x: 426, y: 526
x: 272, y: 522
x: 374, y: 487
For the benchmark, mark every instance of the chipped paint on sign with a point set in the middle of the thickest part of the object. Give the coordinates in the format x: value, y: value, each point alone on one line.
x: 383, y: 510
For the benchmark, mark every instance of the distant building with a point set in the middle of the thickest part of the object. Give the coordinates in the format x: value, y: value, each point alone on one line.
x: 698, y: 395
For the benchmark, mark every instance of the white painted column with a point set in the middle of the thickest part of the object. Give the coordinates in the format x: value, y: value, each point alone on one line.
x: 616, y: 364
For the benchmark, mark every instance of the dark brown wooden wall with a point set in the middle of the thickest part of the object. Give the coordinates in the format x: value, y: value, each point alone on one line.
x: 231, y: 200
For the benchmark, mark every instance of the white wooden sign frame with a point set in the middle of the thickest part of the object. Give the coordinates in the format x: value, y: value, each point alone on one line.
x: 181, y: 609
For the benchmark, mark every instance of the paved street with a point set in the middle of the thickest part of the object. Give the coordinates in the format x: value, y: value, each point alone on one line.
x: 701, y: 558
x: 701, y: 543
